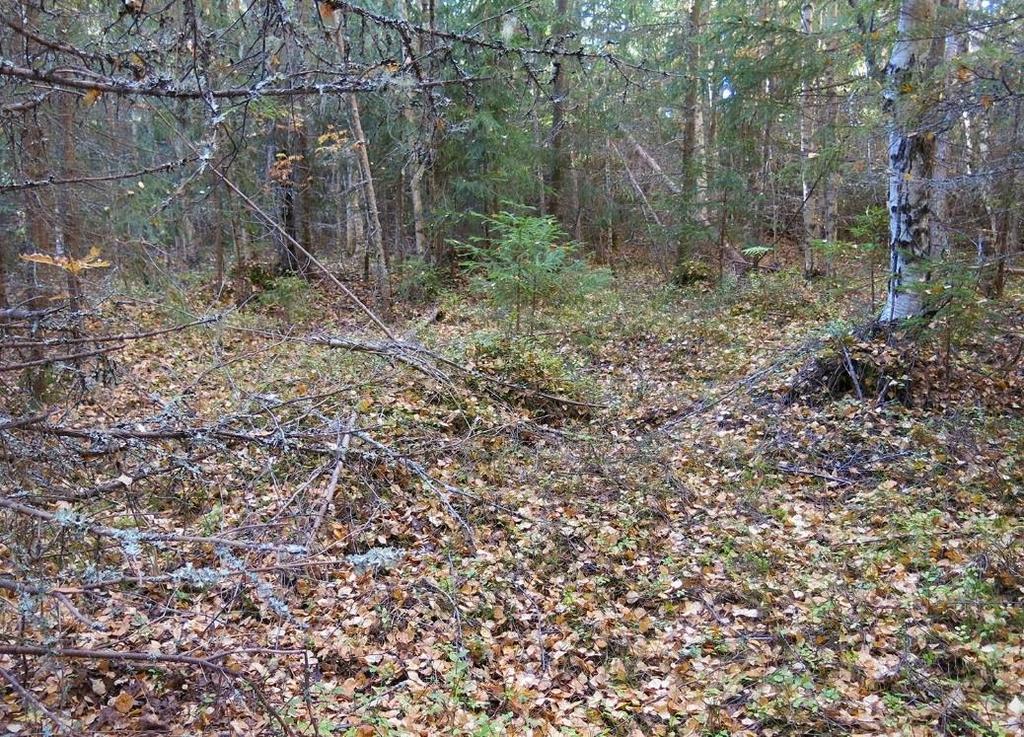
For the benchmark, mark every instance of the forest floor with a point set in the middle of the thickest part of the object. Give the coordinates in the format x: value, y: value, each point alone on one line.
x: 677, y: 552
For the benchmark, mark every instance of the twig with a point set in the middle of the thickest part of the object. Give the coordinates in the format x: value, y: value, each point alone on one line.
x: 795, y: 470
x: 30, y: 698
x: 332, y: 486
x: 848, y: 365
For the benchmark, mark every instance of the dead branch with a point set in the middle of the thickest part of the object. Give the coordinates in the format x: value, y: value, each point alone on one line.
x: 111, y: 338
x: 332, y: 485
x: 60, y: 359
x: 153, y: 538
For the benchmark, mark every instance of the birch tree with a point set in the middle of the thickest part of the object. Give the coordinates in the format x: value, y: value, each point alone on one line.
x: 809, y: 209
x: 911, y: 159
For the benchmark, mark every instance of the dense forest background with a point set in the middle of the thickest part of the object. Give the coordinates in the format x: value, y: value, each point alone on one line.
x: 545, y: 368
x: 719, y: 136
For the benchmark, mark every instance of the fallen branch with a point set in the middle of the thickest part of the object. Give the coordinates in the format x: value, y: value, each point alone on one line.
x: 153, y: 538
x: 14, y: 424
x: 58, y: 359
x: 111, y: 338
x: 798, y: 471
x: 18, y: 313
x: 332, y: 485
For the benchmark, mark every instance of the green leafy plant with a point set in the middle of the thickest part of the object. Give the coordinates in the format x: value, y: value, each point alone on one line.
x: 527, y: 264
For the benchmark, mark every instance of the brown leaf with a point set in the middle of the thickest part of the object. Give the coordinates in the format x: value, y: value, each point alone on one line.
x: 124, y: 702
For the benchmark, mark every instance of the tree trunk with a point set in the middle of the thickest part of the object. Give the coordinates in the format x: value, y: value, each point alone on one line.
x: 417, y: 154
x: 70, y: 225
x: 217, y: 235
x: 353, y: 213
x: 39, y: 203
x: 304, y: 181
x: 378, y: 259
x: 945, y: 48
x: 1009, y: 214
x: 559, y: 92
x: 538, y: 138
x: 694, y: 185
x: 911, y: 158
x: 809, y: 208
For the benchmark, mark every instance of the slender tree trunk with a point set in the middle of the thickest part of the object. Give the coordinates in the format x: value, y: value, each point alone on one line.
x: 304, y: 181
x: 378, y: 258
x: 339, y: 195
x: 419, y: 220
x: 577, y: 220
x: 694, y: 185
x: 809, y: 208
x: 1009, y: 212
x: 830, y: 177
x: 559, y: 93
x: 217, y: 228
x: 542, y: 187
x: 911, y: 158
x: 39, y: 203
x: 417, y: 154
x: 608, y: 220
x: 70, y: 224
x: 945, y: 48
x: 353, y: 212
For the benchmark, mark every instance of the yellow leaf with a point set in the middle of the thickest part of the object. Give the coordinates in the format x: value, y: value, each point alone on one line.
x: 326, y: 11
x: 89, y: 98
x: 39, y: 258
x: 986, y: 101
x: 906, y: 88
x: 92, y: 260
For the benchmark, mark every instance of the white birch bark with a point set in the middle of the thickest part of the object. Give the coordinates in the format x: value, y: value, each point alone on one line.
x: 809, y: 207
x: 911, y: 158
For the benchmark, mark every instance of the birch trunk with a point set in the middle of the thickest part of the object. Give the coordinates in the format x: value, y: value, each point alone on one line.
x: 418, y: 158
x: 809, y: 205
x: 911, y: 159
